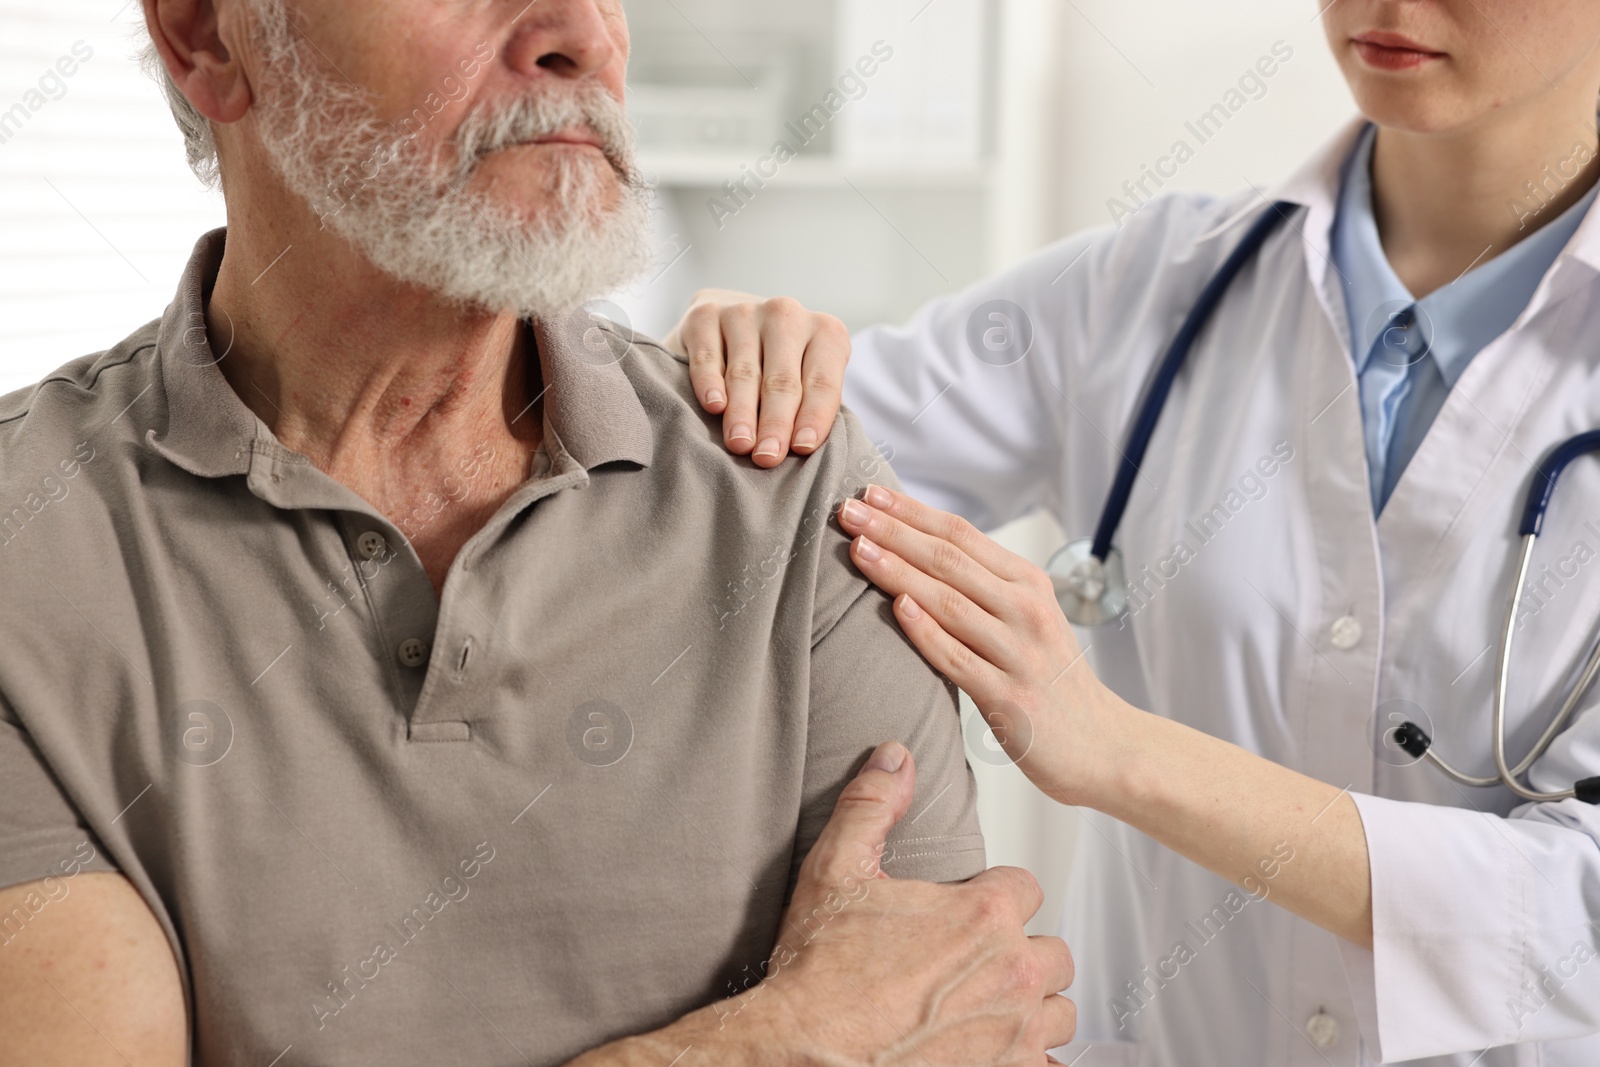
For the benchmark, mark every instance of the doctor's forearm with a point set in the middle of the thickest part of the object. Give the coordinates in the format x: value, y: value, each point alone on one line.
x: 990, y: 622
x: 1295, y: 840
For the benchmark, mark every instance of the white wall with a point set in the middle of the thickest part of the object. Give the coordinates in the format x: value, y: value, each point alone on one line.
x: 1134, y: 74
x: 98, y: 211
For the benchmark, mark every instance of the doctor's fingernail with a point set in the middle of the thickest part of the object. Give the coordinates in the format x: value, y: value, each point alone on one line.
x: 769, y: 447
x: 869, y: 551
x: 879, y: 497
x: 806, y: 438
x: 741, y: 433
x: 714, y: 396
x: 853, y: 513
x: 910, y: 608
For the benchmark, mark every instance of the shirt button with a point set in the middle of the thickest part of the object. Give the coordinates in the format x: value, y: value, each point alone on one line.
x: 412, y: 652
x: 1323, y: 1030
x: 371, y: 544
x: 1346, y: 632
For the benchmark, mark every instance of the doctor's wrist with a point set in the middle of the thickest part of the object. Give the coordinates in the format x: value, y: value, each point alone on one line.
x: 1084, y: 750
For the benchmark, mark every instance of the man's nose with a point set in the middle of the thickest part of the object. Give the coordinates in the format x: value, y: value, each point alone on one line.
x: 566, y: 38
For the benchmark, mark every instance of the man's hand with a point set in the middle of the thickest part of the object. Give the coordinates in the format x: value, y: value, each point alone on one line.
x: 772, y: 369
x: 869, y: 969
x: 873, y: 969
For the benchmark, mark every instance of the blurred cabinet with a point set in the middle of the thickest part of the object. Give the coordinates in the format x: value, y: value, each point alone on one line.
x: 850, y: 153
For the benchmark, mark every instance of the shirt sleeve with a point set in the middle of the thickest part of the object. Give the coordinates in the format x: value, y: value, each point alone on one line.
x: 1486, y: 929
x: 41, y: 834
x: 868, y: 684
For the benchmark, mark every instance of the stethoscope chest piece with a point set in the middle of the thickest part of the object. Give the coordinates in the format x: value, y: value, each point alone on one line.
x: 1091, y: 591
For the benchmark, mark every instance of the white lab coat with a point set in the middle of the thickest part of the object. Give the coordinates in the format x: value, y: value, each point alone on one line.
x: 1289, y: 619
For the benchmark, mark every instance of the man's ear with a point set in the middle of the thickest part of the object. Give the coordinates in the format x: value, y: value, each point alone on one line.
x: 191, y: 37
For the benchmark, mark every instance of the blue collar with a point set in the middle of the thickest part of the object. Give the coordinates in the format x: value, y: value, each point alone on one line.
x: 1464, y: 316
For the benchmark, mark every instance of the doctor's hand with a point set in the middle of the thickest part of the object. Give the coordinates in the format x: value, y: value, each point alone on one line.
x: 988, y: 620
x: 773, y: 370
x: 874, y: 969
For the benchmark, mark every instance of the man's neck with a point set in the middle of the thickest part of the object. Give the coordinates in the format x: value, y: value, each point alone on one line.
x: 357, y: 371
x: 1448, y: 202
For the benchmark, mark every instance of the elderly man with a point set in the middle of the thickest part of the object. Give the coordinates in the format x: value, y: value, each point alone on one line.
x: 399, y: 670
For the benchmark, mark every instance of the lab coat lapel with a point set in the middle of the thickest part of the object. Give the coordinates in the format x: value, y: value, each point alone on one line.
x: 1473, y: 466
x: 1449, y: 534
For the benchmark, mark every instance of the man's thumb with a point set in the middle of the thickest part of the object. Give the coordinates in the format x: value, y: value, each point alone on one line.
x: 851, y: 845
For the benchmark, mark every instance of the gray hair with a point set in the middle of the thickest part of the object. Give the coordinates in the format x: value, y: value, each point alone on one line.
x: 200, y: 142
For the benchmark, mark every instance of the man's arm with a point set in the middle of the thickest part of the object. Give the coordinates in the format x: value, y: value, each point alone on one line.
x: 869, y: 683
x: 869, y: 968
x: 87, y: 977
x: 873, y: 969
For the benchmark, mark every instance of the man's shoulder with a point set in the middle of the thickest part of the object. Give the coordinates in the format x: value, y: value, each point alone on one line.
x: 58, y: 437
x: 780, y: 515
x: 661, y: 378
x: 83, y: 396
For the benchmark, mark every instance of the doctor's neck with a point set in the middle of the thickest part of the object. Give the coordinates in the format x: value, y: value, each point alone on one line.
x: 1445, y: 204
x: 1487, y: 122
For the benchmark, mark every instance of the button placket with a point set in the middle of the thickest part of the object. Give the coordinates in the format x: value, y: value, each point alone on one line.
x: 413, y: 652
x: 401, y: 600
x: 372, y: 544
x: 438, y: 711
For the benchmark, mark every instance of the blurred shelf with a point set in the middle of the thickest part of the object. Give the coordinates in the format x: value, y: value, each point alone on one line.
x: 697, y: 171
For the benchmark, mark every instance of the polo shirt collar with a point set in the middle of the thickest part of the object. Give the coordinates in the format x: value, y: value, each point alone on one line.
x: 209, y: 431
x: 590, y: 403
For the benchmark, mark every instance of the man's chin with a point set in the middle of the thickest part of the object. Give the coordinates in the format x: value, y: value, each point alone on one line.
x: 537, y: 219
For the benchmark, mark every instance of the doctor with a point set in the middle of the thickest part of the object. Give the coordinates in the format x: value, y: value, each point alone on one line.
x: 1319, y: 545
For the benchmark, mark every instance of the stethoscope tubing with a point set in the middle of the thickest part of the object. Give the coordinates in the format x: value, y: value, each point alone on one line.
x: 1540, y: 493
x: 1155, y: 399
x: 1505, y: 774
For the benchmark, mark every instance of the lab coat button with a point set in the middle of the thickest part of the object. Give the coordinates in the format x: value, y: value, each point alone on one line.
x: 371, y: 545
x: 412, y: 652
x: 1346, y: 632
x: 1323, y: 1030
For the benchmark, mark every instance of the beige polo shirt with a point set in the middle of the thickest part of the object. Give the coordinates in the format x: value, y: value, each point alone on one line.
x: 562, y: 803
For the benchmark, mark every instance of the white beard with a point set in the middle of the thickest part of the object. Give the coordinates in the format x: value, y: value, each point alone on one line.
x: 412, y: 216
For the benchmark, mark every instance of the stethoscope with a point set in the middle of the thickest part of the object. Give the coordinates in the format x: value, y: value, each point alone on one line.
x: 1092, y: 586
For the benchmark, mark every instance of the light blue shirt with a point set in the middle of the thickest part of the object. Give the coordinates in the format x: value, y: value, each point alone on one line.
x: 1409, y: 354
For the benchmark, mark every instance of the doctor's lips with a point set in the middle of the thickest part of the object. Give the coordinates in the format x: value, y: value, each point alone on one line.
x: 1391, y: 51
